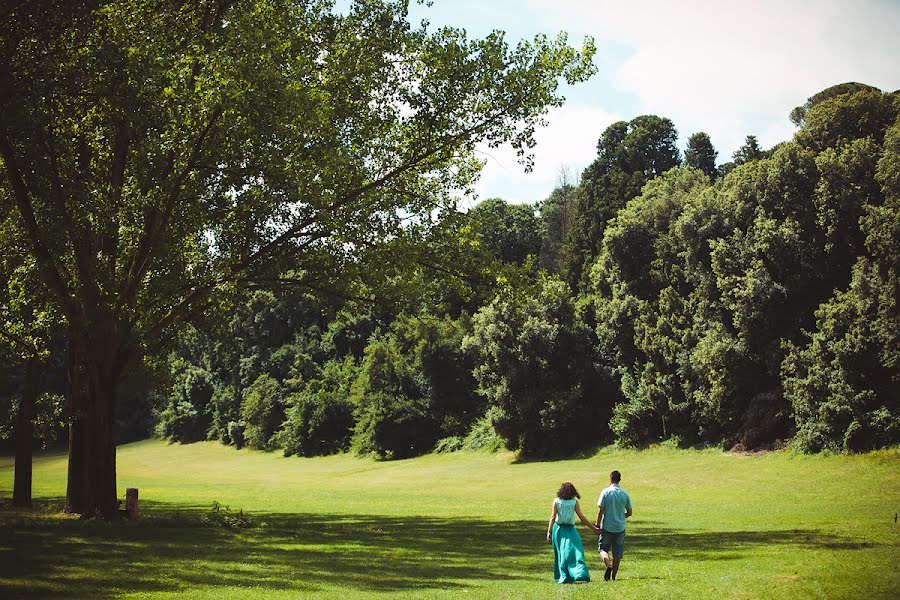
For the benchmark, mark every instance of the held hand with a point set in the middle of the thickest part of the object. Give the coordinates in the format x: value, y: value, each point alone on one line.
x: 548, y: 538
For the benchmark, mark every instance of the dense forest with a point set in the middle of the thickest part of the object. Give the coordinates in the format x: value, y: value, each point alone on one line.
x: 658, y: 297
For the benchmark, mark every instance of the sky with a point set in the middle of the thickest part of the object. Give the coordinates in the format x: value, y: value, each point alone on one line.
x: 729, y: 68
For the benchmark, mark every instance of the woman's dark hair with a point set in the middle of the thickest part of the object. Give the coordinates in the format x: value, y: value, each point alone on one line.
x: 567, y: 491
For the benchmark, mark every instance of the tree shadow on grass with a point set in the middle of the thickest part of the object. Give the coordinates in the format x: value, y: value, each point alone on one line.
x: 660, y: 542
x: 171, y: 549
x: 175, y: 548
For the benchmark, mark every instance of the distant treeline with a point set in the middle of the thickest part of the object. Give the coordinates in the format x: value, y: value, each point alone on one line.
x: 657, y: 297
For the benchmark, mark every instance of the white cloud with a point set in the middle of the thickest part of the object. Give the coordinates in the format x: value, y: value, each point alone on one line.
x: 736, y: 68
x: 570, y: 138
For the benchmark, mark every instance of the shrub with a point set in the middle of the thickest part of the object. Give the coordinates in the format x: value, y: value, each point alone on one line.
x: 262, y: 411
x: 186, y: 415
x: 483, y: 436
x: 448, y: 444
x: 320, y: 418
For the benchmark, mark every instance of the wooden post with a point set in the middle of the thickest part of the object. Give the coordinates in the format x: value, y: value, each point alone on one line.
x: 131, y: 503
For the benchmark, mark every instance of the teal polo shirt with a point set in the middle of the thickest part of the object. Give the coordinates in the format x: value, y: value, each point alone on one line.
x: 615, y: 501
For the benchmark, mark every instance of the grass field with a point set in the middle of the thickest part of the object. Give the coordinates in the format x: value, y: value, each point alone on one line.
x: 706, y: 525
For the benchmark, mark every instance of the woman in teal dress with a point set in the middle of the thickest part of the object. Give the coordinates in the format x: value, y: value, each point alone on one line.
x: 568, y: 551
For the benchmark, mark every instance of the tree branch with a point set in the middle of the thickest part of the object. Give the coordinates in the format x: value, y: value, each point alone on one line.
x: 140, y: 263
x: 42, y: 253
x: 109, y: 243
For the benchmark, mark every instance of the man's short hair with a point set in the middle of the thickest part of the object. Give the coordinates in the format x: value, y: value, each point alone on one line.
x: 615, y: 477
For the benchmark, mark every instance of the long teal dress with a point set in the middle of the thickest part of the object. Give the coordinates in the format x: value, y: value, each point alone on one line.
x: 568, y: 551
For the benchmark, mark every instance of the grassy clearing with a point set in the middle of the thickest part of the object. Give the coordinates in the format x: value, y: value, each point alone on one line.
x: 706, y: 524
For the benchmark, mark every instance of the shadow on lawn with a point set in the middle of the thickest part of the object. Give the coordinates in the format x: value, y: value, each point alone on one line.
x: 171, y: 550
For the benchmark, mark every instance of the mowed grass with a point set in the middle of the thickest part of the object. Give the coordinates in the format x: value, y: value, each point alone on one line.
x: 706, y: 524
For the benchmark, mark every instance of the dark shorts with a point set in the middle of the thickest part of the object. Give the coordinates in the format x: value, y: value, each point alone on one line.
x: 613, y: 543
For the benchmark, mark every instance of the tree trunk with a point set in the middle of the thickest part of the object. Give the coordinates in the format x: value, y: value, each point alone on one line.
x: 76, y: 488
x: 25, y: 433
x: 101, y: 465
x: 93, y: 387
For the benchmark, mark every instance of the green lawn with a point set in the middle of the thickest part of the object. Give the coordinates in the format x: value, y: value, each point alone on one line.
x: 706, y: 525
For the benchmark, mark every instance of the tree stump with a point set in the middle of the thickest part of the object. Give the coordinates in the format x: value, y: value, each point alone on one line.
x: 131, y: 503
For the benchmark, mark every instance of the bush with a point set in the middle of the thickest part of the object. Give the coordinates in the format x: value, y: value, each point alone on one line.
x: 448, y: 444
x: 186, y: 416
x: 391, y: 426
x: 223, y: 517
x: 236, y: 433
x: 483, y: 436
x: 320, y: 418
x: 262, y: 411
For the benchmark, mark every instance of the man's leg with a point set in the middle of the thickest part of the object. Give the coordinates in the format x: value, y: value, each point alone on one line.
x: 604, y: 554
x: 605, y: 557
x: 617, y: 547
x: 609, y: 569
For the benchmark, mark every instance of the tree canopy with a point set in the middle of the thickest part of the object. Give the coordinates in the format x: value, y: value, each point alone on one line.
x: 160, y: 155
x: 629, y: 154
x: 701, y: 154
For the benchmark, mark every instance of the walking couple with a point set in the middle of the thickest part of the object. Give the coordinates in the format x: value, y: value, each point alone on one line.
x: 613, y: 507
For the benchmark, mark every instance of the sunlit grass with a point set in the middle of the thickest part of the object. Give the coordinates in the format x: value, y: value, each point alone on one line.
x: 706, y: 525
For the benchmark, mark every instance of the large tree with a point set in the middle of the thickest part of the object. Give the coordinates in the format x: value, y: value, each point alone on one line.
x: 798, y: 114
x: 701, y: 154
x: 556, y: 213
x: 537, y: 367
x: 162, y: 153
x: 629, y: 154
x: 509, y: 232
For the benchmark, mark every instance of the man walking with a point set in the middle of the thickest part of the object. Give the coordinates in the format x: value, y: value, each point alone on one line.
x: 614, y: 506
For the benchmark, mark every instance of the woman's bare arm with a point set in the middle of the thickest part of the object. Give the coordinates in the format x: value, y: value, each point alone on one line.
x: 584, y: 519
x: 552, y: 518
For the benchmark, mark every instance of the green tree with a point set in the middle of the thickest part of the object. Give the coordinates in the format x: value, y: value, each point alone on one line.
x: 556, y: 214
x: 29, y: 328
x: 645, y: 312
x: 161, y: 154
x: 750, y: 151
x: 629, y: 154
x: 843, y: 383
x: 415, y: 386
x: 510, y: 232
x: 833, y: 122
x: 537, y: 367
x: 320, y: 418
x: 393, y: 416
x: 704, y: 294
x: 843, y: 378
x: 701, y: 154
x: 186, y: 417
x: 262, y: 411
x: 798, y: 114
